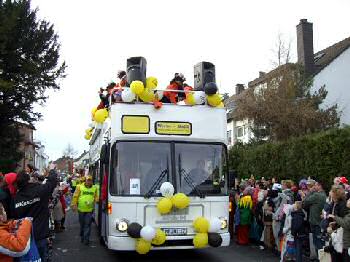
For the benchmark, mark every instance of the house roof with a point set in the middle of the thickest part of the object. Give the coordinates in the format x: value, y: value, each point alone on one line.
x: 324, y: 57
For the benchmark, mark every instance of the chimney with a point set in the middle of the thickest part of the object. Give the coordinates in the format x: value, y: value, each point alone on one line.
x: 305, y: 46
x: 239, y: 88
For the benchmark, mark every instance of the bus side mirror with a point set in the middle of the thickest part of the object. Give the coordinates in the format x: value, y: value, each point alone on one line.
x: 231, y: 178
x: 104, y: 155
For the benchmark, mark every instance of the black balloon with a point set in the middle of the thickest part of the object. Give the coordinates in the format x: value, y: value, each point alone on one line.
x: 210, y: 88
x: 214, y: 239
x: 134, y: 230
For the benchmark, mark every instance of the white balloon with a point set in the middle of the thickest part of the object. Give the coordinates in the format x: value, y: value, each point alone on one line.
x: 167, y: 189
x: 127, y: 95
x: 148, y: 233
x: 199, y: 97
x: 92, y: 124
x: 214, y: 225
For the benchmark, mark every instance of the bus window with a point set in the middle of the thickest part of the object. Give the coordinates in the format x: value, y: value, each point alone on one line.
x: 137, y: 166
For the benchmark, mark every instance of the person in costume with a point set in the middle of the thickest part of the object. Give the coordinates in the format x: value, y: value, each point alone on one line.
x: 245, y: 206
x: 84, y: 199
x: 177, y: 83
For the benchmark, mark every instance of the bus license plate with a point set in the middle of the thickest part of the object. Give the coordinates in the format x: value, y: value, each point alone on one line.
x: 175, y: 231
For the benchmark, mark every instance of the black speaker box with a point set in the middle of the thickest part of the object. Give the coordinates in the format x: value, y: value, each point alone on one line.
x: 136, y: 68
x: 204, y: 72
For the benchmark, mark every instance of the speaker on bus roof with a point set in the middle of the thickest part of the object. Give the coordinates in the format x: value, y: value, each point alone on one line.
x: 136, y: 69
x: 204, y: 72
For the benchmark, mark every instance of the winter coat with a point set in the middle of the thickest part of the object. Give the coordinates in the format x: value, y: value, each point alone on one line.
x: 33, y: 201
x: 314, y: 202
x: 298, y: 228
x: 14, y: 244
x: 344, y: 222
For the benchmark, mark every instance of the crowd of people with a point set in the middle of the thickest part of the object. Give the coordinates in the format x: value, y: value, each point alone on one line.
x: 295, y: 219
x: 32, y: 205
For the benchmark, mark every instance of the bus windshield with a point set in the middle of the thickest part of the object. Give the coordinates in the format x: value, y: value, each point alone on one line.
x: 200, y: 169
x: 138, y: 167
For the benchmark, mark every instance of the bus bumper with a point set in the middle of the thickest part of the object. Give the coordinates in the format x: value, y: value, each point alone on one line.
x: 124, y: 243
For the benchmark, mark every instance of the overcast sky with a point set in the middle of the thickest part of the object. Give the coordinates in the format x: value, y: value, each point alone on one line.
x: 237, y: 36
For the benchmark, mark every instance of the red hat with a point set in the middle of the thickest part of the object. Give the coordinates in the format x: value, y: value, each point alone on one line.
x: 343, y: 180
x: 10, y: 178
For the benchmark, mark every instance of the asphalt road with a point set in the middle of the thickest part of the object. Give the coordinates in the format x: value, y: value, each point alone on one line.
x: 67, y: 247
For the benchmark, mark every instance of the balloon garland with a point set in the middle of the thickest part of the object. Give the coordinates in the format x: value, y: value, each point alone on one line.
x: 145, y: 237
x: 207, y: 232
x: 169, y: 200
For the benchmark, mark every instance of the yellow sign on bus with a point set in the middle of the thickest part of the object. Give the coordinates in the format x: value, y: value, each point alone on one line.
x: 132, y: 124
x: 173, y: 128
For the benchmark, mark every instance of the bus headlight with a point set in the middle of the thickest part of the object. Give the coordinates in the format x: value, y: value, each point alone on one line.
x: 122, y: 225
x: 223, y: 222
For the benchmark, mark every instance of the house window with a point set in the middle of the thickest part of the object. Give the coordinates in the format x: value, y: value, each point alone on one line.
x: 240, y: 131
x: 229, y: 137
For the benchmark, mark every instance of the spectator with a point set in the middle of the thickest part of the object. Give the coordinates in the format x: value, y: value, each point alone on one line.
x: 314, y: 202
x: 298, y: 229
x: 344, y: 222
x: 32, y: 200
x: 13, y: 244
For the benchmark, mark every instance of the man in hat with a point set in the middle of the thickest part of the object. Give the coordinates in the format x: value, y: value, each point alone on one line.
x: 84, y: 199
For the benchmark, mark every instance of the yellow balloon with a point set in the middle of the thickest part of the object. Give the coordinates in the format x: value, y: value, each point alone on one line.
x: 160, y: 237
x: 87, y: 137
x: 151, y: 82
x: 164, y: 205
x: 180, y: 200
x: 201, y: 225
x: 88, y: 131
x: 214, y: 100
x: 200, y: 240
x: 221, y: 105
x: 190, y: 100
x: 137, y: 87
x: 142, y: 246
x: 101, y: 115
x: 93, y: 111
x: 147, y: 96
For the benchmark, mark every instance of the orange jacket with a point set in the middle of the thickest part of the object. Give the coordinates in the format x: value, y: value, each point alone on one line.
x: 16, y: 243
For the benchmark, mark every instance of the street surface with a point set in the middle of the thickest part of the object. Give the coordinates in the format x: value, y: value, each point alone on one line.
x: 67, y: 248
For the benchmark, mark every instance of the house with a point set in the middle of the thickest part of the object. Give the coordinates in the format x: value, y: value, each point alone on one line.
x: 82, y: 161
x: 27, y: 146
x: 41, y: 159
x: 64, y: 164
x: 329, y: 67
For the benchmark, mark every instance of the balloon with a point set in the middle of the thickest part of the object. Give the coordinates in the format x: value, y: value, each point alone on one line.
x: 190, y: 100
x: 167, y: 189
x: 221, y: 105
x: 214, y: 100
x: 134, y: 230
x: 160, y: 237
x: 137, y: 87
x: 164, y: 205
x: 201, y: 225
x: 214, y: 225
x: 214, y: 239
x: 87, y: 137
x: 101, y: 115
x: 210, y: 88
x: 180, y: 200
x: 159, y: 94
x: 143, y: 246
x: 147, y: 96
x: 92, y: 125
x: 148, y: 233
x: 93, y: 111
x: 199, y: 97
x: 151, y: 82
x: 200, y: 240
x: 127, y: 95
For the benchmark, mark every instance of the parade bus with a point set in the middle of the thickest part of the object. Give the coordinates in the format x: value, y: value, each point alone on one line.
x: 144, y: 147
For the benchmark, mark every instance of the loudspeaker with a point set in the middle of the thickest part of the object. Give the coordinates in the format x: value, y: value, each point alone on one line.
x: 204, y: 72
x: 136, y: 68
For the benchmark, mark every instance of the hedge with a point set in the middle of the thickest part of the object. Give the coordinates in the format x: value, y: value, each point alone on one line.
x: 323, y: 156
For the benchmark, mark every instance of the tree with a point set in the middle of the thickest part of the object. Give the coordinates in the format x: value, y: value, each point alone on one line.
x: 284, y: 106
x: 29, y: 66
x: 69, y: 151
x: 281, y: 52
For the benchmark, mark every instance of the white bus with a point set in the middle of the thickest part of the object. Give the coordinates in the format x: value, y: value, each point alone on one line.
x: 144, y: 147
